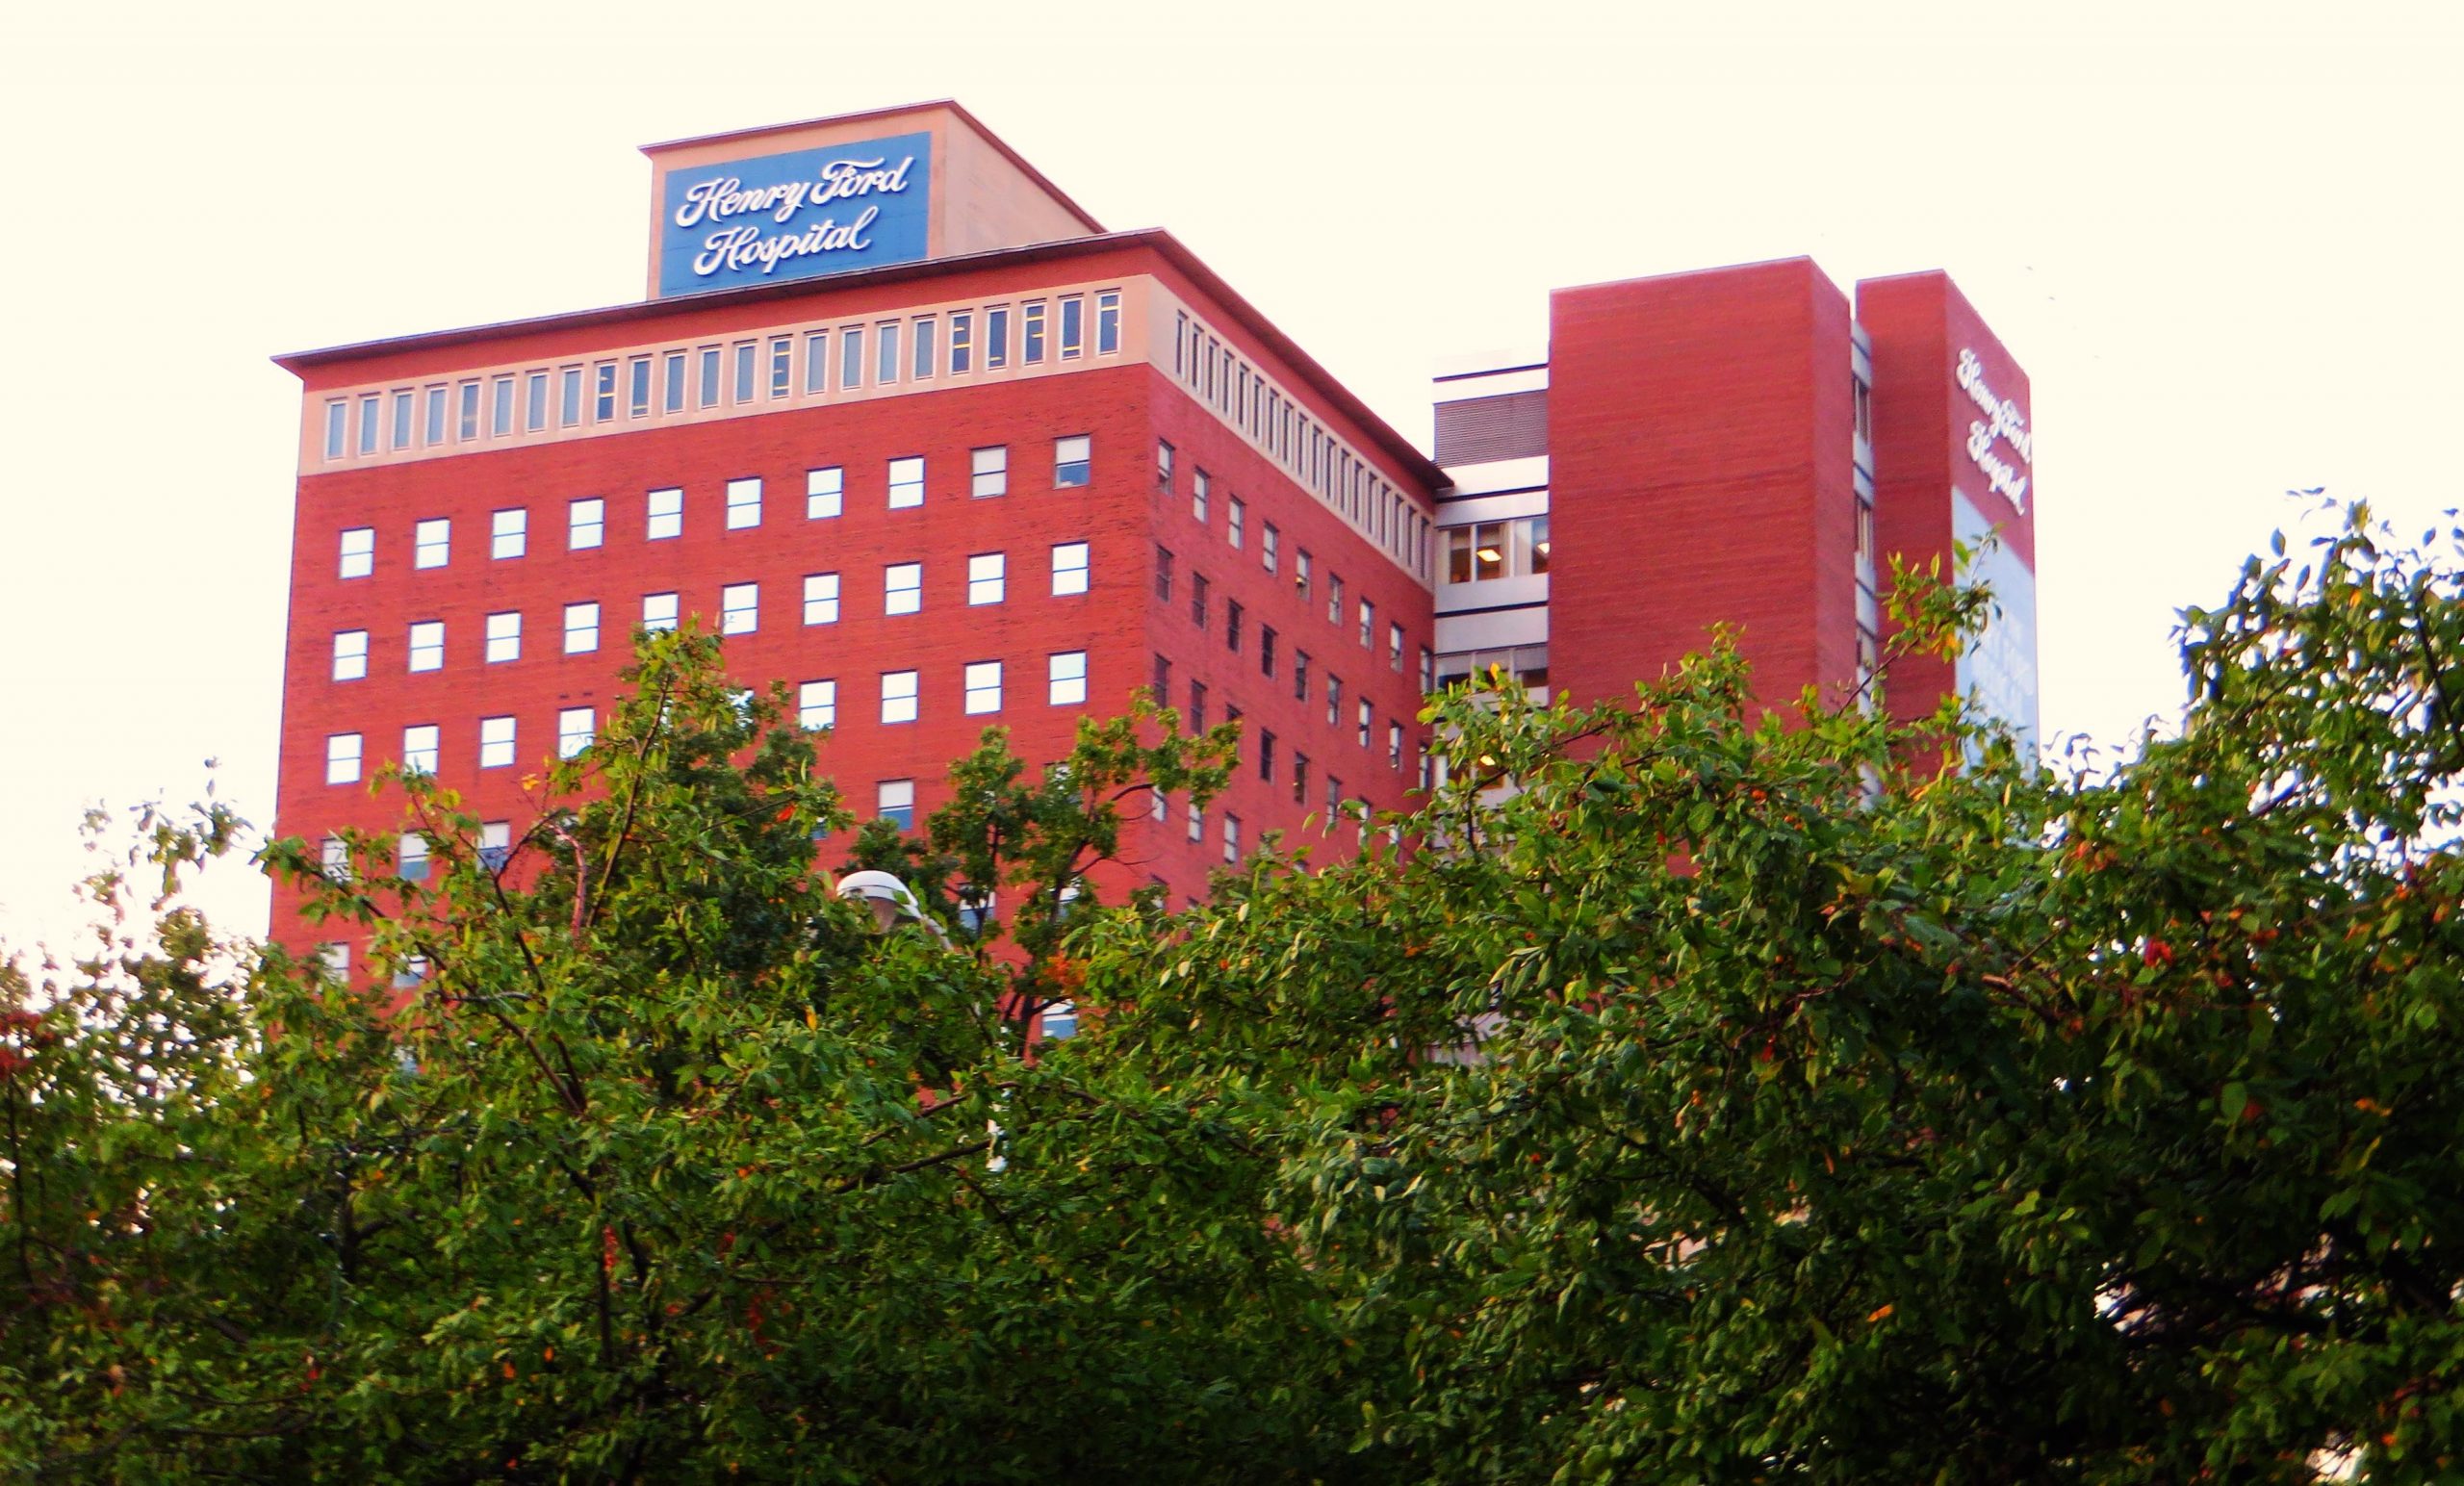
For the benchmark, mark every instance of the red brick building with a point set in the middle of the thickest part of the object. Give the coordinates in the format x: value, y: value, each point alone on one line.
x: 926, y: 443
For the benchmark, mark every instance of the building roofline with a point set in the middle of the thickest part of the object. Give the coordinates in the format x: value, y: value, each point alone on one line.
x: 1042, y: 181
x: 1392, y: 444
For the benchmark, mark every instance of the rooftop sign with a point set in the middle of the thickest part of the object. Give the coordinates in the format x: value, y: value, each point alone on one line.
x: 798, y: 214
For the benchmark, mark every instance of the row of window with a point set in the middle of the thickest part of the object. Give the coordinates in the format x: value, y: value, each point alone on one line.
x: 794, y: 364
x: 816, y: 707
x: 663, y: 510
x: 1219, y: 376
x: 739, y: 610
x: 1363, y: 712
x: 1484, y: 551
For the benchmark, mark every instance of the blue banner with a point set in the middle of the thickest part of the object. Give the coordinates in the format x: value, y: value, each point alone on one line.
x: 795, y: 215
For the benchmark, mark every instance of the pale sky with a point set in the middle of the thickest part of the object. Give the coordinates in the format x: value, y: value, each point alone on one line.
x: 2221, y: 238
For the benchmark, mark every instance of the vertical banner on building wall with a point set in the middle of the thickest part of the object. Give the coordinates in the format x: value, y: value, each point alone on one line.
x: 795, y: 215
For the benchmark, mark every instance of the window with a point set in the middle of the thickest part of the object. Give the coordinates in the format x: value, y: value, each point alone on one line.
x: 1300, y: 675
x: 824, y: 490
x: 1156, y: 806
x: 783, y: 366
x: 585, y: 524
x: 894, y: 801
x: 1394, y: 744
x: 886, y: 360
x: 358, y: 552
x: 412, y: 855
x: 1428, y: 670
x: 990, y: 472
x: 371, y: 411
x: 817, y: 705
x: 1162, y: 464
x: 1269, y: 546
x: 1364, y: 722
x: 427, y: 645
x: 659, y: 611
x: 674, y: 401
x: 1301, y: 779
x: 535, y: 416
x: 419, y: 746
x: 1030, y: 332
x: 1489, y: 550
x: 850, y: 358
x: 412, y: 974
x: 1108, y: 322
x: 898, y: 696
x: 961, y: 343
x: 582, y: 628
x: 568, y: 409
x: 996, y: 337
x: 1266, y: 650
x: 1069, y: 568
x: 1334, y: 599
x: 432, y: 543
x: 711, y: 389
x: 402, y: 415
x: 638, y: 402
x: 508, y: 534
x: 341, y: 758
x: 466, y: 426
x: 1232, y: 838
x: 906, y: 482
x: 744, y: 503
x: 1236, y: 516
x: 816, y: 362
x: 1232, y: 615
x: 1074, y: 328
x: 350, y: 654
x: 1197, y: 706
x: 983, y: 686
x: 495, y: 844
x: 821, y: 597
x: 504, y: 637
x: 603, y: 406
x: 744, y: 370
x: 575, y: 726
x: 1200, y: 484
x: 1070, y: 461
x: 1367, y: 624
x: 1301, y: 573
x: 987, y: 578
x: 1161, y: 688
x: 903, y: 588
x: 1334, y: 800
x: 1265, y: 756
x: 1060, y: 1022
x: 1163, y: 573
x: 1066, y: 679
x: 925, y: 351
x: 496, y: 742
x: 666, y: 515
x: 1394, y: 648
x: 336, y: 959
x: 1863, y: 405
x: 500, y: 407
x: 337, y: 428
x: 1334, y: 700
x: 1197, y: 822
x: 740, y: 608
x: 1197, y: 600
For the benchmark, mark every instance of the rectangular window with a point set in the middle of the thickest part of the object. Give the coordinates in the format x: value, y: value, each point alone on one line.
x: 1162, y: 687
x: 501, y: 408
x: 1197, y: 706
x: 1072, y: 460
x: 1197, y: 600
x: 504, y: 637
x: 1200, y: 485
x: 350, y: 654
x: 982, y: 687
x: 745, y: 353
x: 469, y: 423
x: 568, y: 407
x: 825, y: 490
x: 1030, y: 332
x: 1232, y: 615
x: 1428, y: 670
x: 740, y: 608
x: 671, y: 396
x: 534, y: 417
x: 744, y: 502
x: 1334, y: 800
x: 1236, y: 516
x: 1300, y: 675
x: 894, y: 801
x: 1074, y: 328
x: 435, y: 417
x: 585, y: 523
x: 925, y: 334
x: 427, y: 645
x: 1367, y: 624
x: 1269, y: 546
x: 850, y: 358
x: 358, y: 552
x: 508, y: 533
x: 582, y: 628
x: 821, y: 597
x: 898, y: 696
x: 419, y: 746
x: 817, y: 705
x: 961, y: 343
x: 637, y: 398
x: 659, y: 611
x: 1065, y: 677
x: 1394, y: 648
x: 604, y: 404
x: 1301, y: 779
x: 906, y: 482
x: 665, y: 516
x: 1231, y: 839
x: 1164, y: 573
x: 1265, y: 756
x: 1197, y: 822
x: 885, y: 357
x: 336, y: 959
x: 1163, y: 465
x: 496, y: 742
x: 337, y: 428
x: 987, y: 578
x: 1334, y: 700
x: 712, y: 390
x: 1334, y: 600
x: 1365, y: 720
x: 783, y: 366
x: 495, y: 844
x: 988, y: 472
x: 1108, y: 322
x: 432, y: 543
x: 903, y: 588
x: 996, y: 337
x: 575, y: 726
x: 1266, y: 650
x: 816, y: 362
x: 371, y: 412
x: 1069, y: 568
x: 1395, y: 745
x: 412, y: 860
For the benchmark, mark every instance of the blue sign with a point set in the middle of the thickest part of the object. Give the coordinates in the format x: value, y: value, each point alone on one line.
x: 794, y: 215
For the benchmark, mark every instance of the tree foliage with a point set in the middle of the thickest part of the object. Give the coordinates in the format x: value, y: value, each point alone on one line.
x: 1703, y: 1093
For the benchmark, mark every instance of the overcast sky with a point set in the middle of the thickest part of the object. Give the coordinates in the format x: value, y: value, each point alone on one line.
x: 2221, y: 238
